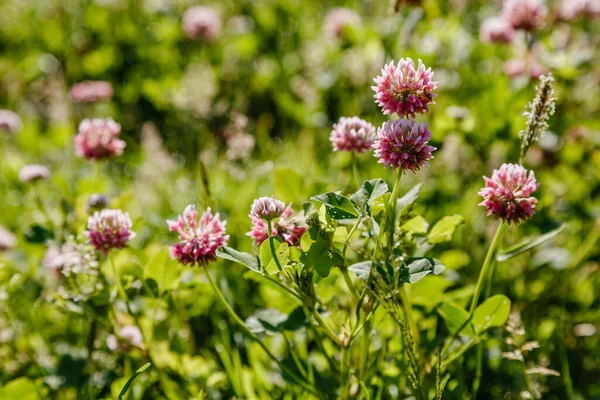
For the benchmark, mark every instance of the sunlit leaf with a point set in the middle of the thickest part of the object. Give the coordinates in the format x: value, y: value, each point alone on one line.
x: 455, y: 318
x: 492, y: 312
x: 442, y: 231
x: 282, y: 250
x: 338, y: 206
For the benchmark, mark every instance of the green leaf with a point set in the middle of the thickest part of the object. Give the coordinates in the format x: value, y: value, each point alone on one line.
x: 162, y: 270
x: 417, y: 268
x: 231, y: 254
x: 443, y: 230
x: 369, y: 192
x: 328, y: 260
x: 492, y: 312
x: 528, y: 244
x: 409, y: 198
x: 20, y: 388
x: 455, y: 317
x: 282, y: 250
x: 416, y: 225
x: 271, y: 320
x: 361, y: 269
x: 130, y: 381
x: 337, y: 206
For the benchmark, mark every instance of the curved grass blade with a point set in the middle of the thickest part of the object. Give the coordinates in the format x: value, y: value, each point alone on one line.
x: 130, y: 381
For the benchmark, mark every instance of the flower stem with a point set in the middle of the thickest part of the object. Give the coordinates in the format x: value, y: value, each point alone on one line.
x: 391, y: 206
x: 486, y: 265
x: 252, y: 336
x: 354, y: 162
x: 482, y: 274
x: 344, y: 376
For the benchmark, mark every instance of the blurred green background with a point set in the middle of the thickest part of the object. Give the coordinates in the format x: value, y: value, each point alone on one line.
x: 275, y: 74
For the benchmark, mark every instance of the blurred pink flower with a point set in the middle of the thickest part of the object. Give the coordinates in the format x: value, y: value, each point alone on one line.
x: 96, y: 202
x: 109, y: 229
x: 403, y: 144
x: 91, y: 91
x: 496, y: 29
x: 97, y: 139
x: 33, y: 172
x: 352, y: 134
x: 130, y: 337
x: 528, y: 15
x: 507, y: 193
x: 7, y: 240
x: 10, y: 122
x: 404, y: 89
x: 72, y: 257
x: 199, y: 239
x: 288, y: 227
x: 524, y: 67
x: 572, y: 9
x: 338, y: 19
x: 201, y: 22
x: 267, y: 208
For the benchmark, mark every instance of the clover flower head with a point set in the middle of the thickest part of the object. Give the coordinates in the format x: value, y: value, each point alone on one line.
x: 496, y: 29
x: 352, y: 134
x: 528, y: 15
x: 130, y: 337
x: 338, y: 19
x: 109, y: 229
x: 507, y: 194
x: 289, y: 227
x: 91, y: 91
x: 199, y: 238
x: 10, y: 122
x: 405, y: 89
x: 7, y: 240
x: 33, y: 172
x: 267, y: 208
x: 201, y: 22
x: 98, y: 139
x: 403, y: 144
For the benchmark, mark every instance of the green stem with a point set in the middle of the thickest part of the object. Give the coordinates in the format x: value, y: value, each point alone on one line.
x: 252, y: 336
x: 344, y: 376
x: 477, y: 378
x: 349, y: 283
x: 366, y: 342
x: 410, y: 320
x: 330, y: 333
x: 527, y: 380
x: 486, y: 265
x: 354, y: 162
x: 484, y: 268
